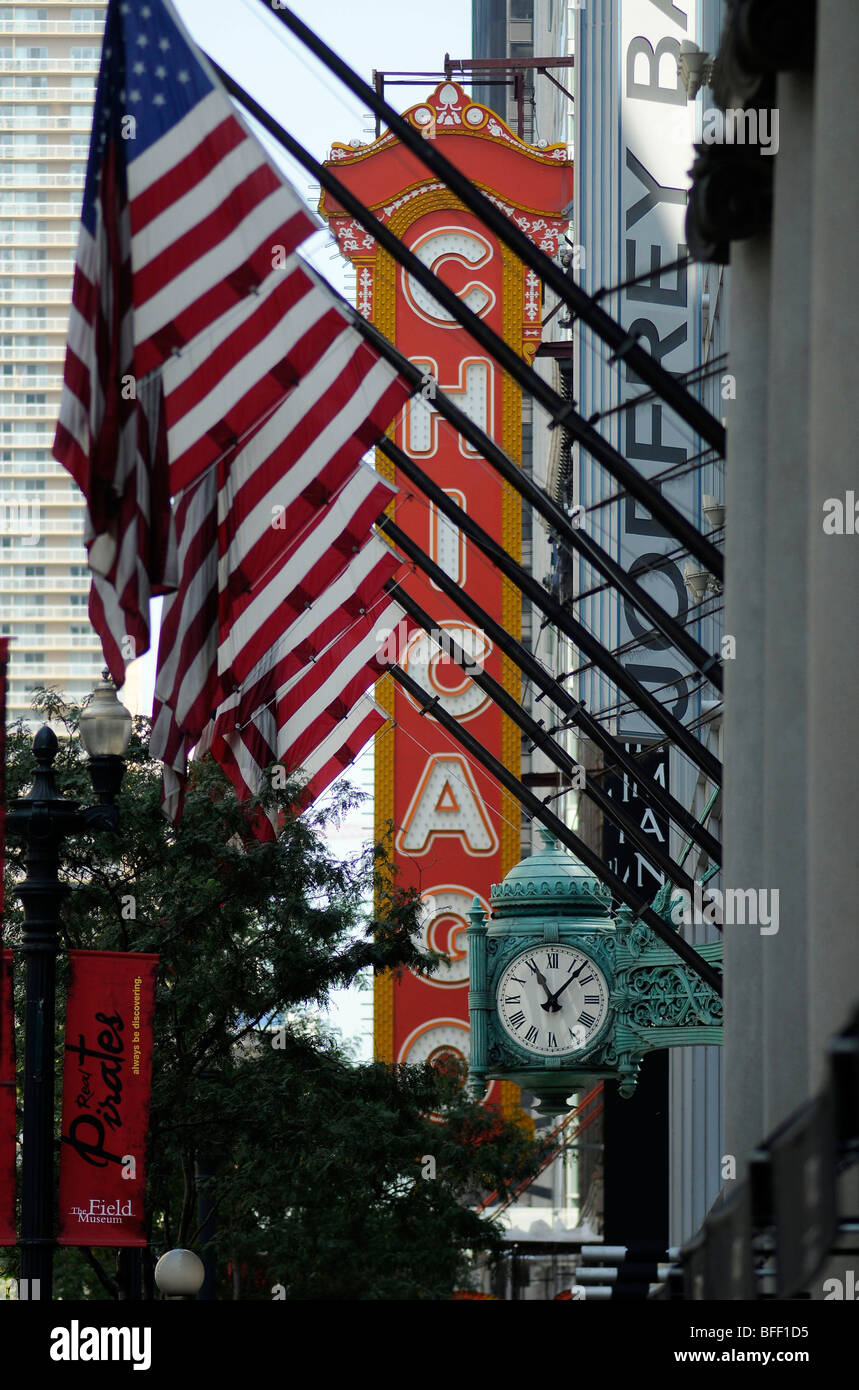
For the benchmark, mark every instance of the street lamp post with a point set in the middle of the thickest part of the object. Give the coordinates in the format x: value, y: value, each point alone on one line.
x: 43, y: 819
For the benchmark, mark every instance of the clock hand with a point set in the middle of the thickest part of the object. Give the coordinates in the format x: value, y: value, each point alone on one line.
x: 544, y: 982
x: 551, y: 1003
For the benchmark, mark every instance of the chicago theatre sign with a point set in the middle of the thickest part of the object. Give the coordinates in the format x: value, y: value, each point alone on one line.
x: 455, y: 830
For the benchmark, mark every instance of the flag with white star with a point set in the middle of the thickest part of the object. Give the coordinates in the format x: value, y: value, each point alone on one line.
x: 207, y: 364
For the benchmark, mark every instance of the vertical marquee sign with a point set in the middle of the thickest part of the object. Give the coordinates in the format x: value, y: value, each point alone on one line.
x: 455, y: 830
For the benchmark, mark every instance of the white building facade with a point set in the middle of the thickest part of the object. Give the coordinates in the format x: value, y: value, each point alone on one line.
x: 49, y: 58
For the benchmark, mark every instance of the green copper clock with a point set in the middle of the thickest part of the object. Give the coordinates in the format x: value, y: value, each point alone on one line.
x: 563, y: 993
x: 552, y: 1000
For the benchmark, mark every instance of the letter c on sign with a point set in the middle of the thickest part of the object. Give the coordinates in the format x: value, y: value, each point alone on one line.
x: 465, y: 248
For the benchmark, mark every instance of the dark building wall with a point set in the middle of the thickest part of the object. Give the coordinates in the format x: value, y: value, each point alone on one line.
x: 490, y: 38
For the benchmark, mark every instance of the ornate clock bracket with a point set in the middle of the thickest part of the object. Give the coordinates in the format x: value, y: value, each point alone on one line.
x: 655, y: 1000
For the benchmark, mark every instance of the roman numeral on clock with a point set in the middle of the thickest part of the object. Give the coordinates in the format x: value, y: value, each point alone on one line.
x: 517, y: 1019
x: 592, y: 999
x: 552, y: 1040
x: 551, y: 960
x: 586, y: 1019
x: 515, y: 998
x: 586, y: 979
x: 531, y: 1035
x: 532, y: 966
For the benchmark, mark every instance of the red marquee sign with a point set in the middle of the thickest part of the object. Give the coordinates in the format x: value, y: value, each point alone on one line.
x: 455, y: 831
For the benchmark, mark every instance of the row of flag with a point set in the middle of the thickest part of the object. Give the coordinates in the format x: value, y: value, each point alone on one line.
x: 216, y: 408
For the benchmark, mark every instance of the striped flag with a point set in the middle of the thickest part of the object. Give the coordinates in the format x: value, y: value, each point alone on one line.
x: 183, y: 218
x: 206, y: 362
x: 316, y: 723
x: 328, y: 573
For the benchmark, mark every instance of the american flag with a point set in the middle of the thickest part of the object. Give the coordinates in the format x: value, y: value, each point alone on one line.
x: 206, y: 363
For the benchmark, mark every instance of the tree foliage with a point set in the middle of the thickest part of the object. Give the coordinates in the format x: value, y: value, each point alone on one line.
x: 316, y: 1166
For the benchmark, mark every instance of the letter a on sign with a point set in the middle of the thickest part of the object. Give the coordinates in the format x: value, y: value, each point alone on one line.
x: 447, y: 802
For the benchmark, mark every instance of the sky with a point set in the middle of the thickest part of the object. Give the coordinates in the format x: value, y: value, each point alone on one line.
x: 245, y: 38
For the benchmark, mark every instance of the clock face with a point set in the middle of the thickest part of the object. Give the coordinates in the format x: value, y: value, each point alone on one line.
x: 552, y: 999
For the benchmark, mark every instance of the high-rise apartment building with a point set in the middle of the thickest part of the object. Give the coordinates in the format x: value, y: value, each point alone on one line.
x: 49, y: 58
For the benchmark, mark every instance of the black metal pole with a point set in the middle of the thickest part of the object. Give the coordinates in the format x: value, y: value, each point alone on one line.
x: 560, y: 410
x: 704, y: 662
x: 657, y: 797
x: 586, y: 642
x: 205, y: 1168
x: 43, y: 818
x: 582, y: 304
x: 591, y: 860
x: 129, y: 1274
x: 553, y: 751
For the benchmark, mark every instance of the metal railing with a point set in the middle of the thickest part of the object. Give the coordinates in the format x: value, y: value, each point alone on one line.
x: 40, y: 180
x: 30, y: 94
x: 17, y: 64
x: 53, y: 382
x: 10, y: 324
x: 19, y: 150
x: 26, y: 239
x: 71, y: 209
x: 38, y: 583
x: 46, y: 411
x: 33, y: 612
x: 56, y: 642
x: 37, y: 267
x: 51, y: 26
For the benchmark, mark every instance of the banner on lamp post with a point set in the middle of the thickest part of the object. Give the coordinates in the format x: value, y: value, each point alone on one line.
x: 107, y: 1072
x: 8, y: 1233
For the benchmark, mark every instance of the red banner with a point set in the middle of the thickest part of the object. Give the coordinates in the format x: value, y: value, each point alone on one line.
x: 8, y: 1233
x: 106, y: 1084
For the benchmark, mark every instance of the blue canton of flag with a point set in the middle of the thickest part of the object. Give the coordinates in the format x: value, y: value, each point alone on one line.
x: 181, y: 213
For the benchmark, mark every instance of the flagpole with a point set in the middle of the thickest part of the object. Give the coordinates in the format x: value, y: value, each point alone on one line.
x: 547, y: 745
x: 515, y: 572
x: 560, y: 410
x: 573, y: 710
x: 583, y: 305
x: 685, y: 740
x: 640, y: 906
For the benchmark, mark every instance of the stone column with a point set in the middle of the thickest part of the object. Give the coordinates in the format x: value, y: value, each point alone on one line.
x: 833, y: 569
x: 745, y: 619
x: 785, y: 639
